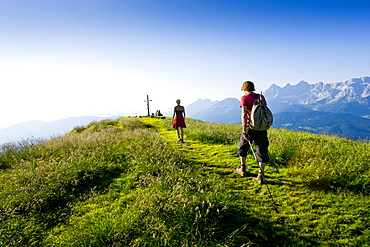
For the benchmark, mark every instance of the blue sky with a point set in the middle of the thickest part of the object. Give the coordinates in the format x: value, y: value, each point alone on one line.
x: 65, y: 58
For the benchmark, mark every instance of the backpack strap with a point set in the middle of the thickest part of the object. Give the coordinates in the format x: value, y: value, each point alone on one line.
x: 257, y: 96
x: 250, y: 112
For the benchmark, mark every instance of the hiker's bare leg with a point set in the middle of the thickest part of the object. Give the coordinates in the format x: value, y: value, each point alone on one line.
x: 260, y: 178
x: 182, y: 134
x: 242, y: 160
x: 242, y: 169
x: 178, y: 133
x: 261, y: 167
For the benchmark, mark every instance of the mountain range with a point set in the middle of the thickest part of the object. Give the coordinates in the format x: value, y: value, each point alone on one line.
x: 352, y: 97
x: 341, y: 108
x: 43, y: 130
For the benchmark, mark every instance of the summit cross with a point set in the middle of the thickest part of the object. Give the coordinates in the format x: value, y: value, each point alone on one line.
x: 147, y: 103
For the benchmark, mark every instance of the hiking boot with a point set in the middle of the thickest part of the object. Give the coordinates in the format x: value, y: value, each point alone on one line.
x: 241, y: 170
x: 259, y: 179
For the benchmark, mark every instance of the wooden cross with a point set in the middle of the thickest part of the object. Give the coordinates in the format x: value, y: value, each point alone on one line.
x: 147, y: 103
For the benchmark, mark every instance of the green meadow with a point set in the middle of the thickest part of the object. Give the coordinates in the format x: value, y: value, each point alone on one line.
x: 128, y: 182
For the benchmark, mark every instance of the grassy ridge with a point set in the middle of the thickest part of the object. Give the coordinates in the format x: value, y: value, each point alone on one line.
x: 126, y: 182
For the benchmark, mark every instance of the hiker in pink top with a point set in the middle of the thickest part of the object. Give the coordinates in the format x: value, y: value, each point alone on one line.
x: 178, y: 121
x: 258, y: 137
x: 248, y: 99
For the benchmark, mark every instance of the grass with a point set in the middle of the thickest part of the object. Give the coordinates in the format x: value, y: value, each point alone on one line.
x: 127, y: 182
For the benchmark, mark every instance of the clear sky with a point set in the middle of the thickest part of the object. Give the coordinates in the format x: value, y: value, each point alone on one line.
x: 67, y: 58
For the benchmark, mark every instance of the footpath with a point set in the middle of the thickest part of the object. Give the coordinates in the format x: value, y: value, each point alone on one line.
x: 223, y: 160
x: 312, y: 216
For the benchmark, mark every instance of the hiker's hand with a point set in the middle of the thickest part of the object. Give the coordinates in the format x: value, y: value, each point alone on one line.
x: 245, y: 136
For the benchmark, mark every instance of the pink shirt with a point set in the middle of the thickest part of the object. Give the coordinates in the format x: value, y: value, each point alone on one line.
x: 248, y: 99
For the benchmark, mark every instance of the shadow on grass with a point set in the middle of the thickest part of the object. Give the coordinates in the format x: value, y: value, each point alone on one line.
x: 337, y: 186
x: 246, y: 229
x: 56, y: 209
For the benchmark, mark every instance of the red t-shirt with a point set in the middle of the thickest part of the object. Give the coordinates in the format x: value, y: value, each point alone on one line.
x: 248, y: 99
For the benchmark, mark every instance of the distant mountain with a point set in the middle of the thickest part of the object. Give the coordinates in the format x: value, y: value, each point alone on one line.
x: 352, y: 96
x: 225, y: 111
x: 43, y: 130
x: 198, y: 106
x: 194, y: 108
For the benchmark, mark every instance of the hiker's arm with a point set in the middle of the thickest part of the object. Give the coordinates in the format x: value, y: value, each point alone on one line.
x: 244, y: 118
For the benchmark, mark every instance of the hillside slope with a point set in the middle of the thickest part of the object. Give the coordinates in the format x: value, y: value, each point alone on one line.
x: 340, y: 124
x: 127, y: 182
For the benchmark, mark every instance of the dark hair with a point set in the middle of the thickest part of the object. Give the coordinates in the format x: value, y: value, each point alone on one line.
x: 248, y: 86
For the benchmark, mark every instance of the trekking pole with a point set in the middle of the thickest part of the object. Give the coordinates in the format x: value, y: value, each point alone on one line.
x: 263, y: 178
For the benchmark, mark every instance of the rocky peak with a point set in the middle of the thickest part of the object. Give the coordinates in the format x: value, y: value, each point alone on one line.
x: 305, y: 93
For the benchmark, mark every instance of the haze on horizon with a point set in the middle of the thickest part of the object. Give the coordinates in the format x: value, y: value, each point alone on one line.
x: 66, y: 58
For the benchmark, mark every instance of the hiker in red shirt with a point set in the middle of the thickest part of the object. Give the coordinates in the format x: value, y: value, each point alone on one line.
x: 259, y: 137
